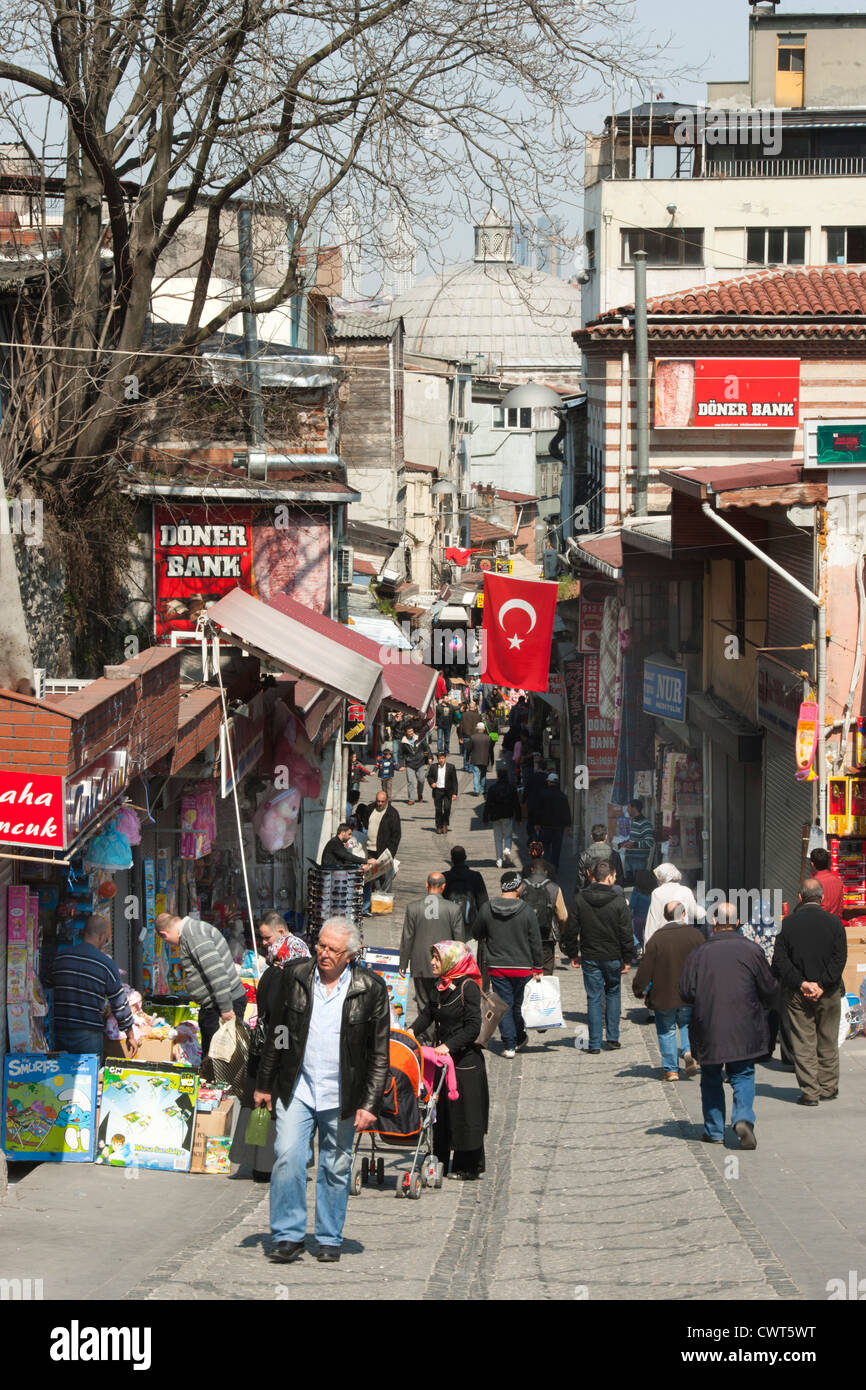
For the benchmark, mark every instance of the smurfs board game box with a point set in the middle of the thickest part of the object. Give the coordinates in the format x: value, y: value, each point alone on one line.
x: 49, y: 1106
x: 147, y: 1115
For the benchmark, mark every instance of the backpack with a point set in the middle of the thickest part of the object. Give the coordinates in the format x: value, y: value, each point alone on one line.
x: 465, y: 900
x: 536, y: 896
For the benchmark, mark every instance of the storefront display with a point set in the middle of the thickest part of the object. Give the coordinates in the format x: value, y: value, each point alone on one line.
x: 146, y: 1116
x: 49, y: 1107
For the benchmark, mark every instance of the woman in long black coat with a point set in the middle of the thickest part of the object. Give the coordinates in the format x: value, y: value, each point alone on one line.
x: 455, y: 1015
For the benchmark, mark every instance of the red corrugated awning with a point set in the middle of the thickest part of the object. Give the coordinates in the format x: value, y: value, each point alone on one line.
x: 604, y: 553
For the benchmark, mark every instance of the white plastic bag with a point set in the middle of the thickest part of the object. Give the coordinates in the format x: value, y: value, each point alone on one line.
x: 224, y: 1041
x: 581, y: 1037
x: 541, y: 1007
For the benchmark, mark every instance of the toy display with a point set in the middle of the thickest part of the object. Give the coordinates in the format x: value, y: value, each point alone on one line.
x: 146, y: 1116
x: 49, y: 1107
x: 385, y: 961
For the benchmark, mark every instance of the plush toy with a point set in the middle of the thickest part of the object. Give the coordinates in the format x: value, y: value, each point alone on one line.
x: 276, y: 820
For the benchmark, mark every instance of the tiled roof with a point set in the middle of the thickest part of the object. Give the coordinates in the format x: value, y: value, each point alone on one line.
x: 516, y: 496
x: 364, y: 567
x: 371, y: 323
x: 809, y: 301
x: 419, y: 467
x: 487, y: 531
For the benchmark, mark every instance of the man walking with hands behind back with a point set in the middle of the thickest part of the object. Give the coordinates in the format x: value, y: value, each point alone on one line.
x: 808, y: 961
x: 427, y: 921
x: 323, y: 1067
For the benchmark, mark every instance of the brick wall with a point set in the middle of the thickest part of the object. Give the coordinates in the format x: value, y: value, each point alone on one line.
x: 33, y: 737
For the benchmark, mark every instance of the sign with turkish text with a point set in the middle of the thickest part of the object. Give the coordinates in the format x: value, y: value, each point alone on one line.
x: 727, y: 393
x: 355, y: 725
x: 600, y: 748
x: 591, y: 670
x: 32, y: 809
x: 518, y: 631
x: 91, y: 790
x: 806, y: 741
x: 202, y: 553
x: 573, y: 679
x: 780, y: 693
x: 591, y: 618
x: 834, y: 443
x: 664, y: 690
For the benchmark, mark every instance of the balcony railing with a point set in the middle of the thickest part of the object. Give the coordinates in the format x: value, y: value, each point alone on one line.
x: 819, y: 167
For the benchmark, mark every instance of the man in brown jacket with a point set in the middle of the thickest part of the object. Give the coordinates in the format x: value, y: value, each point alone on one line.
x: 658, y: 976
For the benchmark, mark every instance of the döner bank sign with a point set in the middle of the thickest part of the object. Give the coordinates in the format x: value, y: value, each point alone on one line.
x: 727, y: 393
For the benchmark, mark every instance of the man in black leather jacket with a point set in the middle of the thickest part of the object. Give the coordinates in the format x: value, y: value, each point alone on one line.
x: 323, y: 1067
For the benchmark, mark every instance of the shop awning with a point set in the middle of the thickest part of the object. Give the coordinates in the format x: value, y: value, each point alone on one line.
x: 604, y: 552
x: 405, y: 680
x: 297, y: 647
x: 771, y: 483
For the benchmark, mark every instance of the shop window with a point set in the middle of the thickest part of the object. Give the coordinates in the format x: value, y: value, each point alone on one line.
x: 776, y: 245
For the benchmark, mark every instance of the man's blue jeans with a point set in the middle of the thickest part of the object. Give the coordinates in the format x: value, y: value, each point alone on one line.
x: 443, y: 740
x: 511, y: 988
x: 479, y: 779
x: 742, y: 1076
x: 86, y: 1041
x: 295, y: 1126
x: 602, y: 978
x: 667, y: 1023
x: 466, y: 750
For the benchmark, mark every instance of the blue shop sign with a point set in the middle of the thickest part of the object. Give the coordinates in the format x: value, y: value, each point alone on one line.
x: 664, y: 690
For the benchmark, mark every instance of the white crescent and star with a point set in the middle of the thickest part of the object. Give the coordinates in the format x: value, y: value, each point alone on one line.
x: 520, y: 603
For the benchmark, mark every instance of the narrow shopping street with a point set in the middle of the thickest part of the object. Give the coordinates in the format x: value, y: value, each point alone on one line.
x: 597, y: 1186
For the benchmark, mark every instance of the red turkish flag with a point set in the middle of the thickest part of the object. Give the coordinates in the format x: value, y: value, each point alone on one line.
x: 517, y: 631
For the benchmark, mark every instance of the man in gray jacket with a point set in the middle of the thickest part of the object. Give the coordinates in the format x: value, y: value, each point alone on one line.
x: 427, y: 921
x: 209, y: 971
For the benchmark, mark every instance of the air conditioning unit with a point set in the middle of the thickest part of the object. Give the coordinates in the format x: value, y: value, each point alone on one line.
x: 468, y: 500
x: 450, y: 541
x: 503, y: 548
x: 345, y: 564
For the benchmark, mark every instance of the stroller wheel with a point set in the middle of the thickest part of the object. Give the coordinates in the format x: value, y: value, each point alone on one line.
x: 429, y: 1171
x: 356, y: 1184
x: 380, y: 1171
x: 414, y: 1188
x: 365, y: 1171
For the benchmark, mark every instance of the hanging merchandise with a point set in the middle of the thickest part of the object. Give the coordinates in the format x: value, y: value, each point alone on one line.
x: 276, y: 820
x: 608, y: 658
x: 26, y: 1005
x: 128, y: 824
x: 198, y: 821
x: 111, y: 850
x: 294, y: 753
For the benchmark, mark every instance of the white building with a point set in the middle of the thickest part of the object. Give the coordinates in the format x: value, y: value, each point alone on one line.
x: 771, y: 173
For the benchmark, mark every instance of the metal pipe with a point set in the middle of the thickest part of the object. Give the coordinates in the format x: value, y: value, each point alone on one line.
x: 251, y: 328
x: 820, y: 644
x: 624, y: 385
x: 641, y: 360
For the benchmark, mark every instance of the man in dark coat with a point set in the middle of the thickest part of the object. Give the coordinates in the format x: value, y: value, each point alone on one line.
x: 384, y: 830
x: 337, y: 855
x: 469, y: 722
x: 658, y: 977
x: 730, y: 987
x: 465, y: 886
x: 442, y: 777
x: 599, y: 936
x: 480, y: 758
x: 808, y: 961
x: 554, y: 818
x: 428, y: 920
x: 323, y: 1068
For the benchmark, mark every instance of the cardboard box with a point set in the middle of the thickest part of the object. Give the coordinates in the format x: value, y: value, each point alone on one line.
x: 855, y: 970
x: 146, y: 1115
x: 218, y: 1124
x: 150, y: 1050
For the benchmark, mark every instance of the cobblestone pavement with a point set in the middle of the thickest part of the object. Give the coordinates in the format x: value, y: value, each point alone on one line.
x: 591, y: 1191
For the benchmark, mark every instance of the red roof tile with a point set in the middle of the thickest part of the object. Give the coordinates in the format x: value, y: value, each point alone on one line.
x: 419, y: 467
x: 792, y: 302
x: 487, y: 531
x: 516, y: 496
x: 716, y: 478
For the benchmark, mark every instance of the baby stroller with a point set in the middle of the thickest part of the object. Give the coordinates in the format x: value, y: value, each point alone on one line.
x: 405, y: 1122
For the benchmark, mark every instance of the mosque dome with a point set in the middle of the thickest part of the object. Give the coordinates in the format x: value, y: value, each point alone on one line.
x: 498, y: 315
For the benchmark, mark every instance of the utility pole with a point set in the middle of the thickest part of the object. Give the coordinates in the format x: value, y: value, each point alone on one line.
x: 641, y: 362
x: 251, y: 329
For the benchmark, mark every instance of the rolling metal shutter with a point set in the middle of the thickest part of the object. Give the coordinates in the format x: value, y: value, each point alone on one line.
x: 787, y: 803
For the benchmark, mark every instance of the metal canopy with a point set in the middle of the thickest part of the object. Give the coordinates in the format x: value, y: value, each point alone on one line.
x: 291, y: 645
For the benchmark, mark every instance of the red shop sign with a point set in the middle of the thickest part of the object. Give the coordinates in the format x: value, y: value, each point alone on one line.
x: 31, y: 809
x: 727, y: 393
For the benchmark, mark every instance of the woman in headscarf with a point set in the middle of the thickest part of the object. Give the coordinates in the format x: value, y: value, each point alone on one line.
x: 455, y: 1015
x: 281, y: 946
x: 670, y: 889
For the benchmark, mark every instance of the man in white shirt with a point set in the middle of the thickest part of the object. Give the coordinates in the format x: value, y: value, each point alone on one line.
x: 442, y: 777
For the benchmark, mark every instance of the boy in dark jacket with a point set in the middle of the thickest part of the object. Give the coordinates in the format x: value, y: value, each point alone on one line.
x: 600, y: 937
x: 509, y: 930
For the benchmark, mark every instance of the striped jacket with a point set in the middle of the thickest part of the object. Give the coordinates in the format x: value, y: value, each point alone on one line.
x: 84, y: 977
x: 209, y: 971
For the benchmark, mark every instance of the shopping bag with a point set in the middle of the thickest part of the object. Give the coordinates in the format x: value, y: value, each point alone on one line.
x: 541, y: 1007
x: 224, y: 1041
x: 230, y: 1075
x: 257, y: 1126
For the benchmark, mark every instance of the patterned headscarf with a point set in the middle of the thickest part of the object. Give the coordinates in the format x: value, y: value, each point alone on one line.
x: 286, y: 948
x: 458, y: 963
